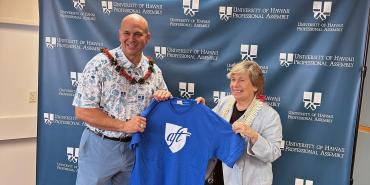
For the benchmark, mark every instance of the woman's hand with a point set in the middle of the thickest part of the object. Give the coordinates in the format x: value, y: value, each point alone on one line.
x: 200, y: 100
x: 247, y: 131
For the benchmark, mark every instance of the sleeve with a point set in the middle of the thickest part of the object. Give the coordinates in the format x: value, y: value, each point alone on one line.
x: 89, y: 89
x: 161, y: 84
x: 136, y: 138
x: 267, y: 147
x: 228, y: 146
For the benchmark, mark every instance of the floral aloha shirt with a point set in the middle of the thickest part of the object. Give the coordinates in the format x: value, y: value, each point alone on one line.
x: 102, y: 87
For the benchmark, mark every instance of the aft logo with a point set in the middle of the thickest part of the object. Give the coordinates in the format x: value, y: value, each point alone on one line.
x: 72, y: 154
x: 107, y: 6
x: 217, y: 95
x: 190, y: 7
x: 186, y: 89
x: 74, y: 78
x: 303, y: 182
x: 225, y: 12
x: 248, y: 52
x: 175, y: 137
x: 321, y: 10
x: 160, y: 52
x: 312, y: 100
x: 286, y: 59
x: 79, y: 4
x: 51, y: 42
x: 48, y: 118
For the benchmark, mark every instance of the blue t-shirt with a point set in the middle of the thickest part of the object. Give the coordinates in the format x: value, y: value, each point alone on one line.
x: 180, y: 137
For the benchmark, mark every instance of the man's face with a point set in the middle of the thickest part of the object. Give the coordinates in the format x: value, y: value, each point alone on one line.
x: 134, y: 37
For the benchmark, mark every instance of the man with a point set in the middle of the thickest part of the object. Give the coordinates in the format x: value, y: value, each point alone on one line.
x: 115, y: 87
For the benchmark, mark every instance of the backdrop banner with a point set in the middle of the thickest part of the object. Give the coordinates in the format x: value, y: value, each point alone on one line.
x: 311, y: 54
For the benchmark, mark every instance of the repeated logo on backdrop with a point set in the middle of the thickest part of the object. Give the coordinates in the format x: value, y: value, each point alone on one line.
x: 79, y: 4
x: 72, y: 154
x: 311, y: 102
x: 321, y: 10
x: 70, y: 165
x: 190, y: 7
x: 299, y: 181
x: 269, y: 13
x: 248, y: 52
x: 71, y: 90
x: 109, y: 7
x: 314, y: 150
x: 75, y: 76
x: 59, y: 119
x: 58, y: 42
x: 288, y: 59
x: 320, y: 23
x: 48, y: 118
x: 80, y: 13
x: 190, y: 54
x: 187, y: 90
x: 217, y: 95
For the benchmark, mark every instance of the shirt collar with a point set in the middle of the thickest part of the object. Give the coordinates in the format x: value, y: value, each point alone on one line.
x: 122, y: 60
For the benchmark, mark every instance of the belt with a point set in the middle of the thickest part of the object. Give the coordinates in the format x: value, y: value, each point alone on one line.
x: 120, y: 139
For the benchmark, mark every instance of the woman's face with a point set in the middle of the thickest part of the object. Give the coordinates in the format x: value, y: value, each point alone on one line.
x: 241, y: 87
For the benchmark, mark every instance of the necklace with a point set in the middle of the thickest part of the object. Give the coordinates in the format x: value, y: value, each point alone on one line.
x: 121, y: 70
x: 249, y: 115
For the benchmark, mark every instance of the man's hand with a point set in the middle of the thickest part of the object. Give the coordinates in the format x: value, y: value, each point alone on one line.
x: 135, y: 124
x: 161, y: 95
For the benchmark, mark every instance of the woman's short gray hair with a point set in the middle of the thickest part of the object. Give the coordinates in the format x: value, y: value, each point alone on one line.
x: 253, y: 70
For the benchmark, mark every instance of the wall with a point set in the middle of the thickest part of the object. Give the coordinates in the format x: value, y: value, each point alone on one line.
x: 18, y: 76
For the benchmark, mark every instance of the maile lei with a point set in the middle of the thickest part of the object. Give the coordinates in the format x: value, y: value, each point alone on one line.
x: 121, y: 70
x: 251, y: 113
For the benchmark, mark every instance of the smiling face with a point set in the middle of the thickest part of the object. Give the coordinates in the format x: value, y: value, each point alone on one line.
x: 134, y: 36
x: 241, y: 87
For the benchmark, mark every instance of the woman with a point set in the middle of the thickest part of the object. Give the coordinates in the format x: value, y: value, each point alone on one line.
x: 256, y: 121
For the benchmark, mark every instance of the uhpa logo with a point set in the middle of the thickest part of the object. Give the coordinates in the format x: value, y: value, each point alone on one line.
x: 75, y: 77
x: 175, y: 137
x: 51, y: 42
x: 186, y: 89
x: 248, y: 52
x: 225, y: 12
x: 217, y: 95
x: 286, y: 59
x: 190, y: 7
x: 321, y: 10
x: 48, y: 118
x: 312, y: 100
x: 79, y: 4
x: 160, y: 52
x: 107, y: 6
x: 72, y: 154
x: 303, y: 182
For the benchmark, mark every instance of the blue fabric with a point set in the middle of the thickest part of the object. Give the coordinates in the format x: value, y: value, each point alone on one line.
x: 112, y: 161
x: 161, y: 159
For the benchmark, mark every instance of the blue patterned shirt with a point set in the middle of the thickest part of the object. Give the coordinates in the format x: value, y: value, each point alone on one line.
x: 102, y: 87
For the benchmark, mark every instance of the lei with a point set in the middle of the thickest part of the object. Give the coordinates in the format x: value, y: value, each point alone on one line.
x: 121, y: 70
x: 251, y: 112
